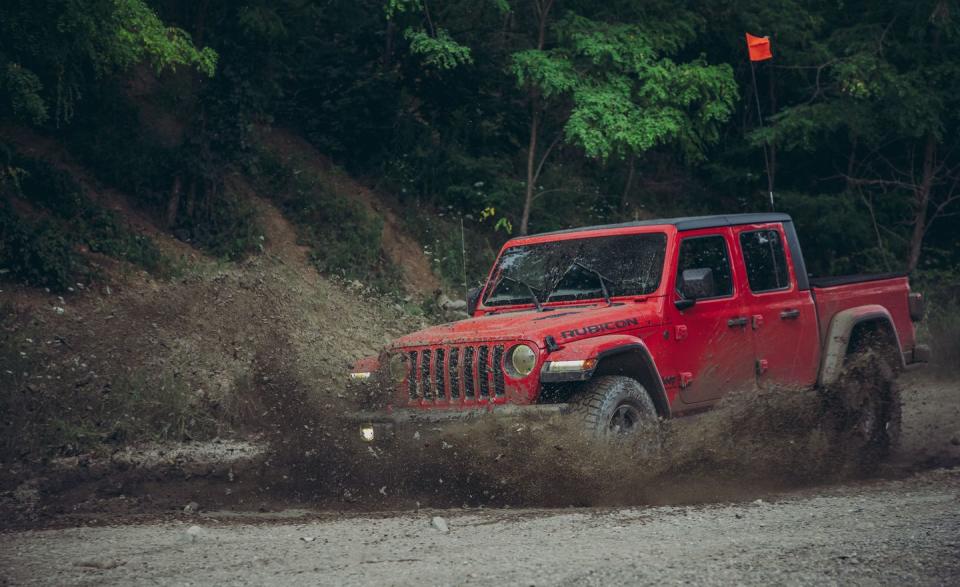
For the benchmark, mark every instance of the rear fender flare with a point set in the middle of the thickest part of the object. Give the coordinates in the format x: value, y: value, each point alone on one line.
x: 837, y: 341
x: 619, y: 354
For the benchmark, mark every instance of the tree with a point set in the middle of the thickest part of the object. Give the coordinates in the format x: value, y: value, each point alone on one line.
x: 617, y: 91
x: 50, y: 49
x: 884, y: 93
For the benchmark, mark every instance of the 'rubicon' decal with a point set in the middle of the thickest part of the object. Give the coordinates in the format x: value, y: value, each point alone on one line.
x: 602, y: 327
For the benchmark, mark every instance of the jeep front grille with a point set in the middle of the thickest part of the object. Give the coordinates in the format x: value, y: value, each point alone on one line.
x: 466, y: 373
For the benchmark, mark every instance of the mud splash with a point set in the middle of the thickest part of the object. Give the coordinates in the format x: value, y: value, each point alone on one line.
x: 750, y: 445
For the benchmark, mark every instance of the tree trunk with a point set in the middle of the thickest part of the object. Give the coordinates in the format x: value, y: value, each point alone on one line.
x: 531, y: 173
x: 921, y: 203
x: 625, y: 198
x: 173, y: 204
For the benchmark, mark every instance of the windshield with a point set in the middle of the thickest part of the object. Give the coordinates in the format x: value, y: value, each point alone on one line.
x: 578, y: 269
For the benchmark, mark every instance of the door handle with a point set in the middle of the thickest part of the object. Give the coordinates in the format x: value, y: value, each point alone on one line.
x: 791, y: 314
x: 738, y: 321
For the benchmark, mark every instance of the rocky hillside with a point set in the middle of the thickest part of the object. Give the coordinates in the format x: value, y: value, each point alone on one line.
x: 126, y: 354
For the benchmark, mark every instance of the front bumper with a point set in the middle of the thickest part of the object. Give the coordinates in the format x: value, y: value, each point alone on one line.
x: 384, y: 426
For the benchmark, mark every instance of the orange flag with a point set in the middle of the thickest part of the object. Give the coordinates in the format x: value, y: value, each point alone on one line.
x: 759, y: 48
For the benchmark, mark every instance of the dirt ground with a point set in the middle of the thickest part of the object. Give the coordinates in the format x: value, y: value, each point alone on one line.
x: 901, y: 526
x: 893, y: 532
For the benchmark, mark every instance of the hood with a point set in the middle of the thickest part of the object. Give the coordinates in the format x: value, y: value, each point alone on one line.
x: 564, y: 323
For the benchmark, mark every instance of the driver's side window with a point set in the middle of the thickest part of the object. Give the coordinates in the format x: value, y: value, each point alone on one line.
x: 707, y: 252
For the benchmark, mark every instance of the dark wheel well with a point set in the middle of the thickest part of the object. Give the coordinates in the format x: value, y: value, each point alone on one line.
x: 631, y: 361
x: 877, y: 335
x: 636, y: 363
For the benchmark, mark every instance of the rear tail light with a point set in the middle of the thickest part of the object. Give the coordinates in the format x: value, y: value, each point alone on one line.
x: 918, y: 306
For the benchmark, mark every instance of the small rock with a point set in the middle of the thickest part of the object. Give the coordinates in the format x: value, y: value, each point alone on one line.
x: 191, y: 508
x: 194, y: 533
x: 759, y: 502
x: 308, y: 538
x: 439, y: 524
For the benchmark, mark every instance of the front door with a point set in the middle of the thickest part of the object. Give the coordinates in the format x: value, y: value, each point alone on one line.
x: 713, y: 350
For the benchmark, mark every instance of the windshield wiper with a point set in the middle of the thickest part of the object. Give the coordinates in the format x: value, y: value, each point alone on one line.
x: 603, y: 279
x: 530, y: 288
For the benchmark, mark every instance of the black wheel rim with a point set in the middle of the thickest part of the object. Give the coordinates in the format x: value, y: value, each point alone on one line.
x: 625, y: 419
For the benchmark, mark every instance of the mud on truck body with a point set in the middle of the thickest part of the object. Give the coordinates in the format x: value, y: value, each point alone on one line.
x: 622, y: 325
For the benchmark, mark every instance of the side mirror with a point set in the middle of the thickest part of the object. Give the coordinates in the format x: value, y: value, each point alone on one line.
x: 473, y: 297
x: 696, y: 284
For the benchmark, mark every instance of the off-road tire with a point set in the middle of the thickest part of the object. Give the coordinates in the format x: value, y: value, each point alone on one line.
x: 608, y: 398
x: 864, y: 411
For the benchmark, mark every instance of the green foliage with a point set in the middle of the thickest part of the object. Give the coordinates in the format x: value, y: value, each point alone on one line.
x: 548, y: 73
x: 23, y: 88
x: 344, y: 238
x: 439, y: 51
x: 49, y: 50
x: 444, y: 245
x: 47, y: 251
x: 627, y: 95
x: 132, y: 33
x: 643, y: 109
x: 36, y: 253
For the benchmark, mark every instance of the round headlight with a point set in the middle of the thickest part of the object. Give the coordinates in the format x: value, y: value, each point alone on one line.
x: 522, y: 360
x: 397, y: 368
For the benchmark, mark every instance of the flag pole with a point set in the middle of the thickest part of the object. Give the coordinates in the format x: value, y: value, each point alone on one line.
x: 766, y: 154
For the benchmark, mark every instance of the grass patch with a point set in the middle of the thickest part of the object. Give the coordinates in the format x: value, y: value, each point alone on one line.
x: 343, y: 236
x: 43, y: 248
x: 113, y: 144
x: 444, y: 246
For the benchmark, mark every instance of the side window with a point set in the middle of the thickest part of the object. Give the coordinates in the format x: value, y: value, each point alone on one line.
x: 765, y: 260
x: 707, y: 252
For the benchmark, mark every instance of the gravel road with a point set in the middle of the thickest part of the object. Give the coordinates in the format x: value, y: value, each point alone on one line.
x: 889, y: 532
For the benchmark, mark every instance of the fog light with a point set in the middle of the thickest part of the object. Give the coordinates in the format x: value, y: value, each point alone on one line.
x: 366, y: 433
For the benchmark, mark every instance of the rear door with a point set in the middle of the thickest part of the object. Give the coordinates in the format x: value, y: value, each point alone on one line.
x: 713, y: 350
x: 782, y: 317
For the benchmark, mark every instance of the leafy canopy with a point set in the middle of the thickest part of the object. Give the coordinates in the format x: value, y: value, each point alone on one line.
x: 627, y: 95
x: 49, y: 48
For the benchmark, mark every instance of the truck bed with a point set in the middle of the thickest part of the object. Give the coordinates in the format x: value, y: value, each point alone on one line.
x: 887, y: 291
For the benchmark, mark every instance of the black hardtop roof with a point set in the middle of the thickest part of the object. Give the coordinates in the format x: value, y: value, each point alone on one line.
x: 687, y: 222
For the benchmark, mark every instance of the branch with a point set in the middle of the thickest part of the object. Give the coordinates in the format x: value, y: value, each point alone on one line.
x: 876, y: 228
x: 878, y: 182
x: 543, y: 159
x: 952, y: 196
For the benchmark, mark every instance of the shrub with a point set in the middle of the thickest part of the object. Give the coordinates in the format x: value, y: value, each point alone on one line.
x: 36, y: 254
x: 344, y: 238
x: 43, y: 251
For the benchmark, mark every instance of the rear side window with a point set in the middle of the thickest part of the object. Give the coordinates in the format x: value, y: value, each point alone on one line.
x: 707, y: 252
x: 765, y: 260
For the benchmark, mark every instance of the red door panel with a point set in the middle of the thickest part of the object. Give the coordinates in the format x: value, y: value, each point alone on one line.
x: 783, y: 319
x: 713, y: 351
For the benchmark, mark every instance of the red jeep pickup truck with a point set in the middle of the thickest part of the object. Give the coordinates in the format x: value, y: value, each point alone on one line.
x: 625, y: 324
